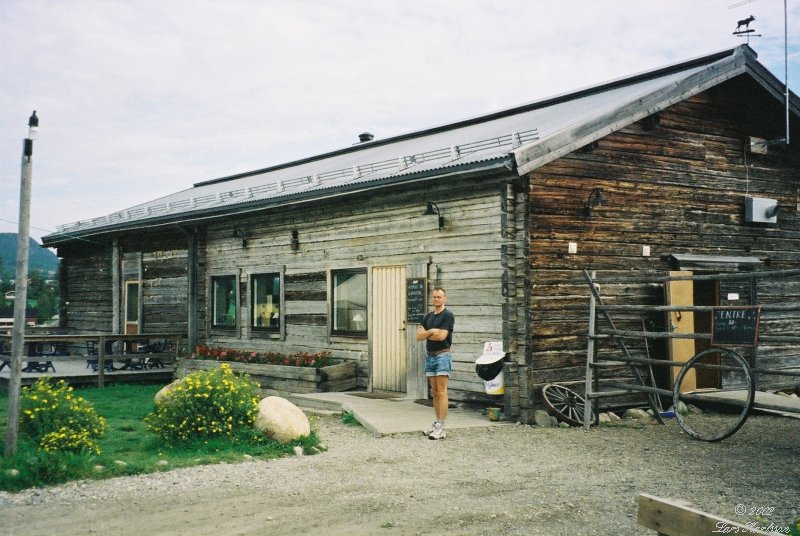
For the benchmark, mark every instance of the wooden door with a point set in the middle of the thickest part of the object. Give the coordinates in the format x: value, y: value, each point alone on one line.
x: 388, y: 328
x: 680, y: 293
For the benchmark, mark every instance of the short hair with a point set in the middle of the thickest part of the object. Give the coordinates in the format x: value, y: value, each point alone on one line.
x: 439, y: 288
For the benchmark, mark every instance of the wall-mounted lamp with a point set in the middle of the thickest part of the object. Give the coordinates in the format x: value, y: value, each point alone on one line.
x: 433, y: 210
x: 240, y: 233
x: 761, y: 210
x: 595, y: 199
x: 772, y: 212
x: 294, y: 243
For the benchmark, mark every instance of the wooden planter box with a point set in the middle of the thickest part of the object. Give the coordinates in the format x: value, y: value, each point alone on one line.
x: 280, y: 379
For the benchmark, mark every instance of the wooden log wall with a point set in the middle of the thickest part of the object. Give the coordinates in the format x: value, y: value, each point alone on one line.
x: 164, y: 279
x: 86, y: 296
x: 678, y: 187
x: 383, y: 228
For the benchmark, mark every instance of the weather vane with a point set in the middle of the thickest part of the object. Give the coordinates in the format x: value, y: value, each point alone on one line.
x: 747, y: 32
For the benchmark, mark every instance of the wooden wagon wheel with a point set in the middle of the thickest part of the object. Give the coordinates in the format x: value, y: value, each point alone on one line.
x: 564, y: 404
x: 730, y: 403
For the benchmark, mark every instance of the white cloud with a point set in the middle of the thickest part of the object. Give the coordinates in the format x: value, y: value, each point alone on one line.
x: 143, y: 98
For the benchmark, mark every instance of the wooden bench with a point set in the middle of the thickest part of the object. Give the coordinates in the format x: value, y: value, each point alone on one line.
x: 676, y: 518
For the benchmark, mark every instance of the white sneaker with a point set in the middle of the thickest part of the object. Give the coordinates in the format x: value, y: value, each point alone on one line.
x: 431, y: 428
x: 438, y: 432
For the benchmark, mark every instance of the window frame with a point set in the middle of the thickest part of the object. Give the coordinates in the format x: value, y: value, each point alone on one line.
x: 223, y: 329
x: 255, y: 332
x: 359, y: 334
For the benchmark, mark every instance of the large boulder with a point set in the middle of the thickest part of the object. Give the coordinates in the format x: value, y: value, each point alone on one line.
x: 166, y: 390
x: 281, y: 420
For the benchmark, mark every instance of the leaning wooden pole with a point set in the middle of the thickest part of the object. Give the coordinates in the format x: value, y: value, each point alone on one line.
x: 20, y: 299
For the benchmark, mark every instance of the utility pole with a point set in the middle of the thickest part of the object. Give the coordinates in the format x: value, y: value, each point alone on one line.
x: 20, y: 288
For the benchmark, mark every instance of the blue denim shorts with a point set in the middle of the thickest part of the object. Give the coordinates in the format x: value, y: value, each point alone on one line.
x: 438, y: 365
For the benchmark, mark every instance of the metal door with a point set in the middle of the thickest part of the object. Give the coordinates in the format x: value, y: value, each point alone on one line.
x: 388, y: 328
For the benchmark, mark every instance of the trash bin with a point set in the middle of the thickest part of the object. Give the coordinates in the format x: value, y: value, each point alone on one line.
x: 489, y: 368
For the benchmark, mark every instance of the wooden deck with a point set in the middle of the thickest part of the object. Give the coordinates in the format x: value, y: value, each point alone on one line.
x: 766, y: 402
x: 75, y: 372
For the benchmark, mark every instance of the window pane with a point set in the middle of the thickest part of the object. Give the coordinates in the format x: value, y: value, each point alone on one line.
x: 350, y: 301
x: 224, y: 301
x: 132, y: 302
x: 266, y: 300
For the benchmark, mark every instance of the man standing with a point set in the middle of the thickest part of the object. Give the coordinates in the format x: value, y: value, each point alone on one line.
x: 437, y: 332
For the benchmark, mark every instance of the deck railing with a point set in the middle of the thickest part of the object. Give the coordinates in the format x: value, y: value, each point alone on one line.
x: 105, y: 348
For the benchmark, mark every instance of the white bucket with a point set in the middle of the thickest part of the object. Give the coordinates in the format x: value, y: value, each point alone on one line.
x: 495, y: 386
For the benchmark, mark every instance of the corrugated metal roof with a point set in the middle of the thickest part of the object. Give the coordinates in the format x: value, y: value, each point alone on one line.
x: 466, y: 144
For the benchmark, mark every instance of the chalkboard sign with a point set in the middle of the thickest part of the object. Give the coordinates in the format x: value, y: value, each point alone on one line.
x: 735, y: 326
x: 416, y: 294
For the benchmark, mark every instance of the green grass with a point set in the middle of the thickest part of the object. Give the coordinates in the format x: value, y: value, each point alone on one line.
x: 350, y: 419
x: 128, y: 448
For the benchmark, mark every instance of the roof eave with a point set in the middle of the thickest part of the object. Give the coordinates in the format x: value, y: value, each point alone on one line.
x: 504, y: 164
x: 533, y: 155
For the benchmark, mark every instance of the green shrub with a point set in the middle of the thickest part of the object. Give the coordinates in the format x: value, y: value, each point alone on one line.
x: 57, y: 420
x: 206, y: 403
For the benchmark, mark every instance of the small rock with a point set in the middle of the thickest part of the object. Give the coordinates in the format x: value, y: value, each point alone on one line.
x: 542, y: 419
x: 162, y: 463
x: 781, y: 393
x: 120, y: 463
x: 680, y: 409
x: 99, y: 468
x: 166, y: 390
x: 247, y: 457
x: 604, y: 418
x: 13, y: 473
x: 614, y: 417
x: 298, y: 451
x: 322, y: 446
x: 636, y: 413
x: 794, y: 395
x: 563, y: 425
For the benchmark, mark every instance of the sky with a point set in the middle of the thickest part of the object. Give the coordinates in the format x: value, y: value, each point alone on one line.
x: 138, y: 99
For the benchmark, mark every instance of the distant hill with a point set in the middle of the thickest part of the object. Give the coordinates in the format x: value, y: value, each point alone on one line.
x: 41, y: 259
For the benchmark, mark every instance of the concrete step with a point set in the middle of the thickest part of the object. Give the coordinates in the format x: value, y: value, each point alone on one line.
x: 314, y: 404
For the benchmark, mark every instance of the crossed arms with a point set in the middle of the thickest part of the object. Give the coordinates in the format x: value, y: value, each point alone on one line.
x: 433, y: 334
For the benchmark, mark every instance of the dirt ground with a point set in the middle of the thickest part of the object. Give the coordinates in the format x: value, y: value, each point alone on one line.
x: 513, y: 479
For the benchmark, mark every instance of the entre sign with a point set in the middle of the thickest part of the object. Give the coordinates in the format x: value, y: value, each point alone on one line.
x: 735, y: 326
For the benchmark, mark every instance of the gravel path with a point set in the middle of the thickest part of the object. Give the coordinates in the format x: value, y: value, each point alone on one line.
x: 513, y: 479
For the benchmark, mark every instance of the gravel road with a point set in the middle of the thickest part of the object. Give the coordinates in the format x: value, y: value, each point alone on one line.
x: 513, y: 479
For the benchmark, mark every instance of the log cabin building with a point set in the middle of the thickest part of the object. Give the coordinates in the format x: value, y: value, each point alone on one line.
x: 330, y: 252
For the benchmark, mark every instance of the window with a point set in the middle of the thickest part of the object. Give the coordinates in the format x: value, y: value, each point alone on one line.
x: 350, y: 302
x: 265, y: 302
x: 132, y: 302
x: 223, y: 302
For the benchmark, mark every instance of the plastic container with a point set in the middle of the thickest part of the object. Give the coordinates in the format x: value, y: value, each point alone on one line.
x: 493, y: 414
x: 489, y: 368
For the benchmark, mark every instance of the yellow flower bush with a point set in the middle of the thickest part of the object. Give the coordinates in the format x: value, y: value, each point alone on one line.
x: 58, y: 420
x: 206, y: 403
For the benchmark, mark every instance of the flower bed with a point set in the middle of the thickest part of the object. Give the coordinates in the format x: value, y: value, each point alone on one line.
x: 303, y: 373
